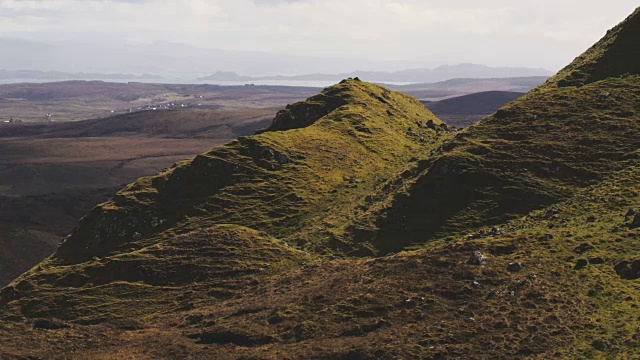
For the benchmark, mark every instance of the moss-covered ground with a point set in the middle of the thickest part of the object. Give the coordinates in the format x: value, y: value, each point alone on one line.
x: 358, y: 226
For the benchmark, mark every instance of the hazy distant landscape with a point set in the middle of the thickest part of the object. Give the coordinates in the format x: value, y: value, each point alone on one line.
x: 78, y: 100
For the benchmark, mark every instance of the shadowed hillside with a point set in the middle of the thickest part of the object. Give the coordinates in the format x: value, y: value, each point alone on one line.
x: 52, y: 174
x: 463, y: 111
x: 358, y: 226
x: 615, y: 55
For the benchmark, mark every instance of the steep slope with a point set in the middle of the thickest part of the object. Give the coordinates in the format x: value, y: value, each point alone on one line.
x: 616, y: 55
x: 533, y: 152
x: 31, y: 226
x: 557, y: 283
x: 52, y: 174
x: 303, y: 186
x: 224, y: 256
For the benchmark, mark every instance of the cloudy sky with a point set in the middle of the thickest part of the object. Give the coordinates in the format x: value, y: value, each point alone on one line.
x: 533, y: 33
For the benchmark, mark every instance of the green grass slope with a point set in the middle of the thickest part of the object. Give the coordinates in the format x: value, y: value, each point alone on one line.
x: 304, y: 187
x: 349, y: 229
x: 555, y: 284
x: 532, y: 153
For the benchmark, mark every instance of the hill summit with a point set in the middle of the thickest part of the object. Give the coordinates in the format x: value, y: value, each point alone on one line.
x: 358, y: 226
x: 616, y: 55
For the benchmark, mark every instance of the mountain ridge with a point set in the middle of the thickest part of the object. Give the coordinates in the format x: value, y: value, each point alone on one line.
x: 613, y: 56
x: 373, y: 231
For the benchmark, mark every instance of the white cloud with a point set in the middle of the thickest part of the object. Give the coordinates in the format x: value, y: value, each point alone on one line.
x: 501, y: 32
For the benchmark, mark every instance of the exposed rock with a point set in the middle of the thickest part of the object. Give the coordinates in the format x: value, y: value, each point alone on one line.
x: 477, y: 258
x: 630, y: 213
x: 483, y: 233
x: 636, y: 222
x: 515, y: 267
x: 305, y: 113
x: 628, y: 270
x: 581, y: 264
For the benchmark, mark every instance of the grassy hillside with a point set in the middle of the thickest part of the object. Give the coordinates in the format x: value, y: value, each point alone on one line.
x: 304, y: 186
x: 293, y: 184
x: 53, y: 174
x: 357, y: 226
x: 554, y: 285
x: 532, y: 153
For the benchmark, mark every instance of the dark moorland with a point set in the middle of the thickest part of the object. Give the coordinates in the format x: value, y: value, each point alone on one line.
x: 466, y: 110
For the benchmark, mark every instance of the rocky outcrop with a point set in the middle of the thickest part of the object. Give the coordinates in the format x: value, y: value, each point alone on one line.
x: 628, y: 270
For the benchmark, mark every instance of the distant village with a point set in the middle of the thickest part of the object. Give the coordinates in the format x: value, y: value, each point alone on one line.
x: 168, y: 106
x: 150, y: 107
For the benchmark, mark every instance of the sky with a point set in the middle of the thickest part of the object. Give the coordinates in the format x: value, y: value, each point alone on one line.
x: 536, y: 33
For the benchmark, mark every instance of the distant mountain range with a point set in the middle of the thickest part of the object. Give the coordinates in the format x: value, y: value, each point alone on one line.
x: 176, y: 61
x: 440, y: 73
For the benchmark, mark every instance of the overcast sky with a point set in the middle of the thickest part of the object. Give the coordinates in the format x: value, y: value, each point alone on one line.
x: 534, y: 33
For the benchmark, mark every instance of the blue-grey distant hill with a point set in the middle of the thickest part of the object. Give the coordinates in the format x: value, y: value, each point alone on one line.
x: 440, y: 73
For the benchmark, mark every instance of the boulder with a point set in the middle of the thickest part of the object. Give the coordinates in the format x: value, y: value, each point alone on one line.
x: 477, y: 258
x: 581, y: 264
x: 628, y: 270
x: 515, y: 267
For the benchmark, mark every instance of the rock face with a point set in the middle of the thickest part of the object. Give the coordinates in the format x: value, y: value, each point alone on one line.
x: 305, y: 113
